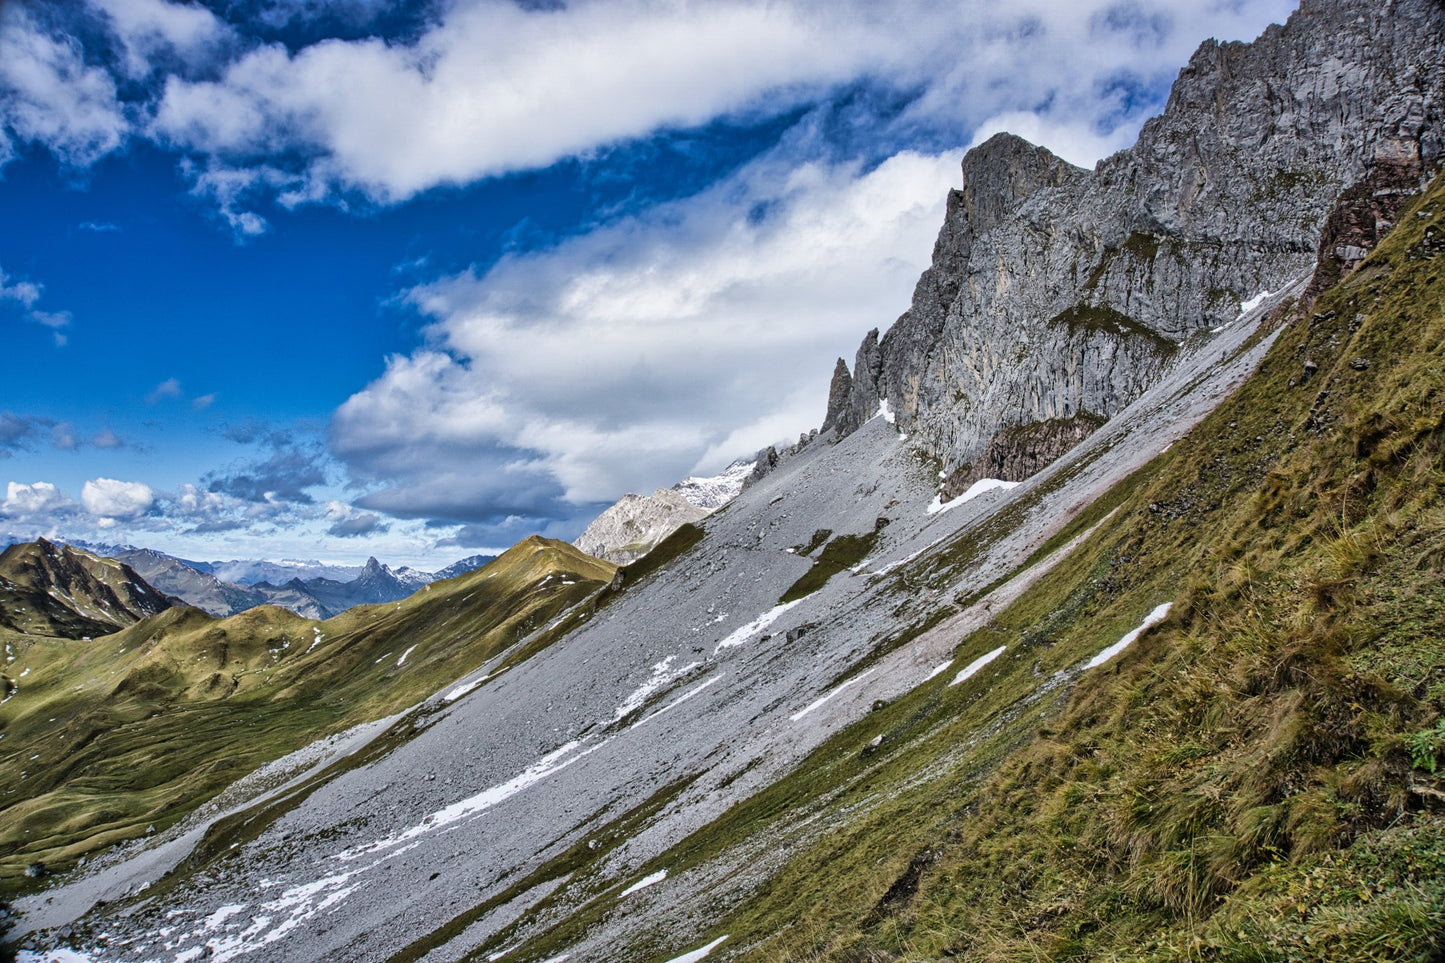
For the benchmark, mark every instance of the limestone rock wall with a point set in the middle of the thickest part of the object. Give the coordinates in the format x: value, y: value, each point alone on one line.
x: 1057, y: 292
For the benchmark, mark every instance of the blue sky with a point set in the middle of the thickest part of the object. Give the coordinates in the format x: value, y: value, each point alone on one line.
x: 284, y: 278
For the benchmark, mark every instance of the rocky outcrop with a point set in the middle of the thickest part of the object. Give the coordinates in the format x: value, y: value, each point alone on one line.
x: 630, y: 528
x: 1021, y: 450
x: 637, y: 523
x: 714, y: 491
x: 1057, y: 292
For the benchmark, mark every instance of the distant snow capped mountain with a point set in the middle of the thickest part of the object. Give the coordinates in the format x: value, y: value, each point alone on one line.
x: 636, y: 523
x: 462, y: 566
x: 414, y: 577
x: 715, y: 492
x: 251, y: 571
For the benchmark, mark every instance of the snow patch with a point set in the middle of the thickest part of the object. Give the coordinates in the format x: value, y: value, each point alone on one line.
x: 553, y: 762
x: 698, y: 954
x: 463, y: 689
x: 1254, y: 302
x: 220, y: 916
x: 1159, y: 614
x: 885, y: 411
x: 820, y: 702
x: 939, y: 670
x: 661, y: 677
x: 402, y: 661
x: 972, y: 668
x: 974, y: 490
x: 678, y: 701
x: 643, y: 883
x: 745, y: 633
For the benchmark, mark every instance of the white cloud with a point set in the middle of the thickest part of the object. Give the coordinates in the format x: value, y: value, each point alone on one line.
x: 1074, y: 139
x: 498, y: 88
x: 170, y: 388
x: 635, y: 354
x: 191, y: 500
x: 111, y: 498
x: 156, y: 29
x: 26, y: 292
x: 49, y: 95
x: 39, y: 498
x: 494, y: 87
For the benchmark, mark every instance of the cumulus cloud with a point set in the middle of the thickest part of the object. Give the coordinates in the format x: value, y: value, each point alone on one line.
x: 23, y: 432
x: 280, y: 478
x: 62, y: 436
x: 26, y: 293
x: 15, y: 432
x: 112, y: 498
x: 50, y: 96
x: 155, y: 32
x: 24, y: 501
x: 480, y: 88
x: 495, y: 86
x: 108, y: 506
x: 347, y: 522
x: 632, y: 354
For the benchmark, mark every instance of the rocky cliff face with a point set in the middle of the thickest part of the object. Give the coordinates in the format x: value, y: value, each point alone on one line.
x: 1057, y: 295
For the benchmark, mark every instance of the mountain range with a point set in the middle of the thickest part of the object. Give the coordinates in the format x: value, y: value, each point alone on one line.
x: 1101, y: 619
x: 311, y: 589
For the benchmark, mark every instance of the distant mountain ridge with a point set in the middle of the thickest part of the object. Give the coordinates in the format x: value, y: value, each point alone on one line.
x: 66, y: 592
x: 635, y: 524
x: 312, y: 589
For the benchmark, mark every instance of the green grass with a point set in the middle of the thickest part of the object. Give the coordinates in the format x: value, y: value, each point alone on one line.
x: 112, y: 737
x: 1100, y: 318
x: 839, y: 554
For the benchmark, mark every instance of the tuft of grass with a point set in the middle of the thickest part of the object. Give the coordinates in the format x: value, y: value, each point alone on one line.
x: 1103, y: 319
x: 839, y: 554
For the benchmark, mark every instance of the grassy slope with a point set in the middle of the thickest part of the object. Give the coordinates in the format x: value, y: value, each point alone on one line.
x: 64, y: 592
x: 1258, y: 778
x: 109, y: 737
